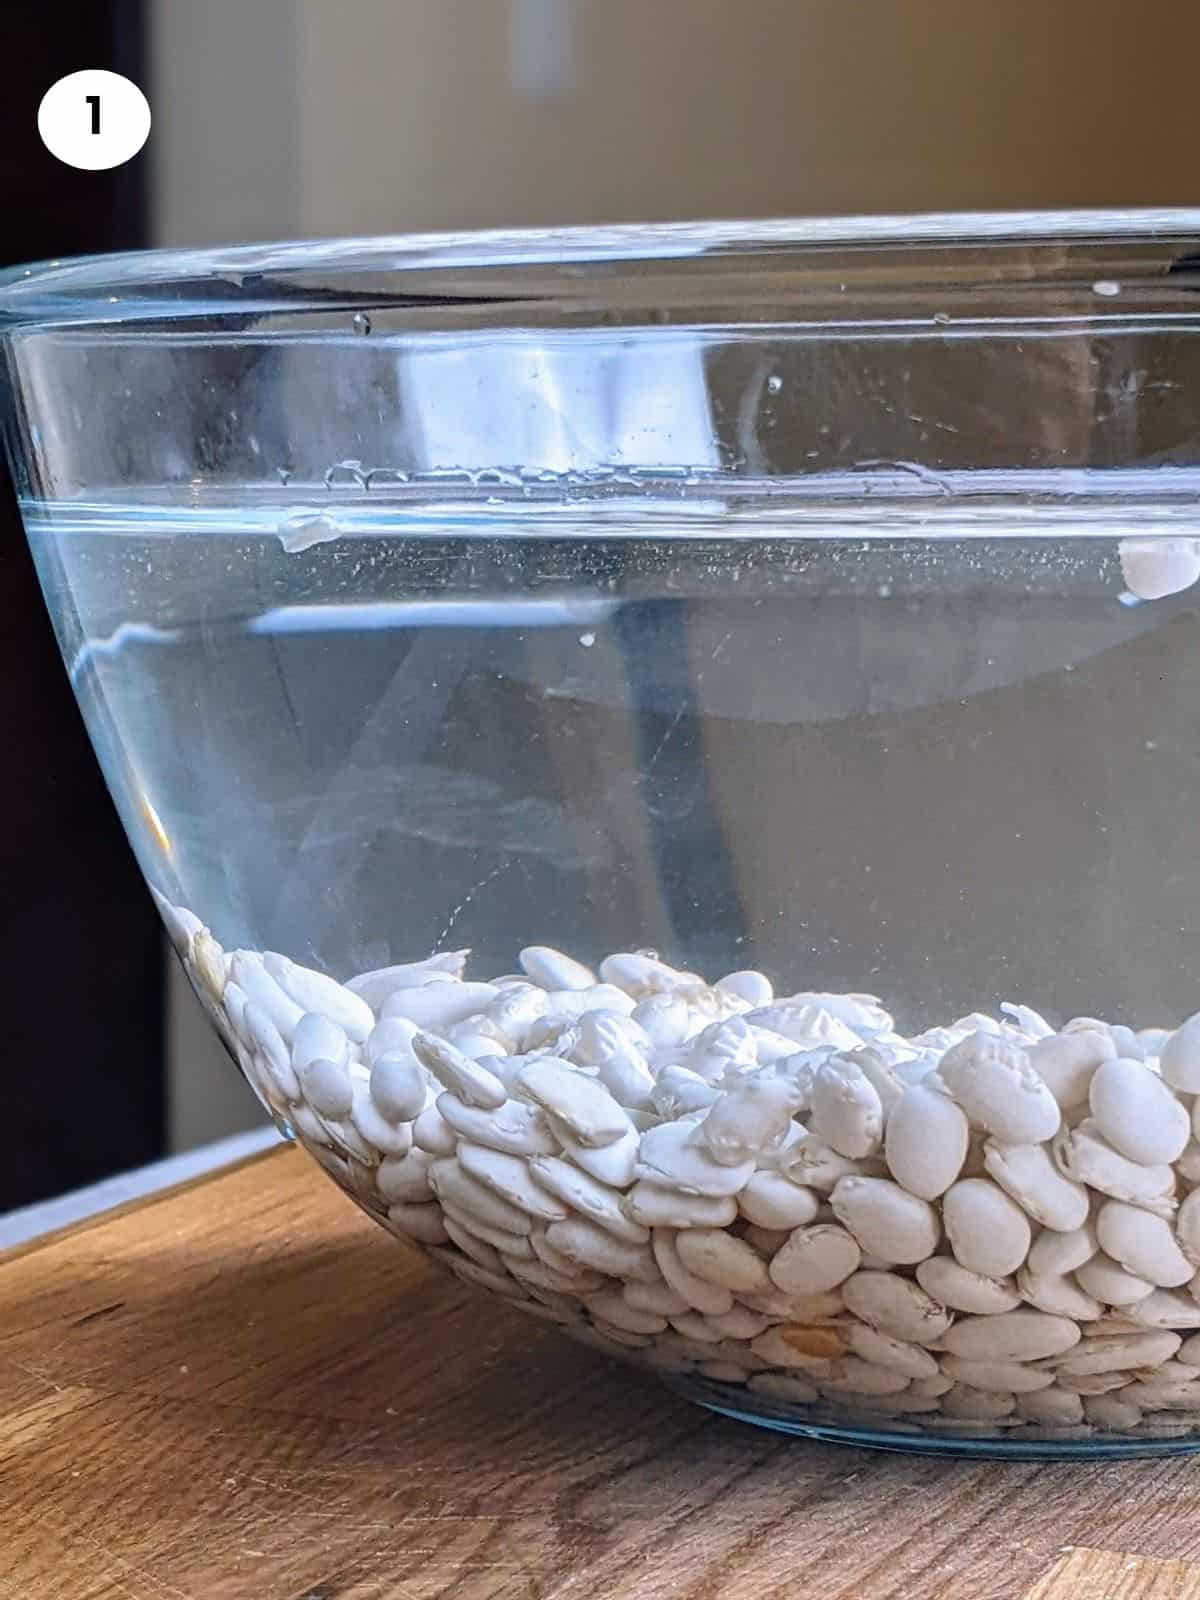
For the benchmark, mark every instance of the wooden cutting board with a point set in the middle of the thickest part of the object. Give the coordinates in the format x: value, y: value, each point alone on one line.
x: 244, y: 1389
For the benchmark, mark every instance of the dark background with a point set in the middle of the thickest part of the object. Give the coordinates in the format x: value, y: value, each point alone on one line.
x: 80, y: 949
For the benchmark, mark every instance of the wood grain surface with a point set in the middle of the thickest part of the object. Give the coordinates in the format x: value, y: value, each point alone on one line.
x: 244, y: 1388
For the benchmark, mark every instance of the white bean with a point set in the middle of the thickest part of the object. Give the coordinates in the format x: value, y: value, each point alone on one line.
x: 551, y: 969
x: 771, y: 1200
x: 723, y: 1259
x: 1110, y: 1283
x: 895, y: 1355
x: 515, y: 1127
x: 987, y: 1230
x: 614, y: 1164
x: 471, y: 1080
x: 1085, y: 1156
x: 389, y: 1138
x: 587, y: 1245
x: 996, y: 1085
x: 376, y: 987
x: 655, y: 1207
x: 1180, y: 1058
x: 896, y: 1306
x: 999, y: 1377
x: 1067, y: 1062
x: 846, y: 1111
x: 581, y: 1192
x: 1029, y: 1175
x: 1137, y: 1112
x: 1052, y: 1407
x: 751, y: 1117
x: 314, y: 991
x: 887, y: 1221
x: 260, y: 989
x: 327, y: 1088
x: 1022, y: 1335
x: 319, y: 1038
x: 1143, y: 1243
x: 927, y: 1138
x: 424, y: 1223
x: 674, y: 1156
x: 814, y: 1260
x: 953, y: 1285
x: 752, y: 987
x: 580, y: 1103
x: 698, y: 1292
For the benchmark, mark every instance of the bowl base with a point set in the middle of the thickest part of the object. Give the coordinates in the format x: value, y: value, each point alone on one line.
x: 731, y: 1400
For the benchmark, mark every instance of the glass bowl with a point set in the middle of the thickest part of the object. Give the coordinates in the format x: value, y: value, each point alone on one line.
x: 670, y: 756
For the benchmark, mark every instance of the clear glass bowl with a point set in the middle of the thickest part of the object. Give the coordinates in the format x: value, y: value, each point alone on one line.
x: 709, y: 629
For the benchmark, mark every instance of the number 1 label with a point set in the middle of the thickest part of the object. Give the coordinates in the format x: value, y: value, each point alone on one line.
x: 94, y: 140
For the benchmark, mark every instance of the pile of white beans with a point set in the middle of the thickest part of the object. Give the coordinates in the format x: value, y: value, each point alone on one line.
x: 989, y: 1226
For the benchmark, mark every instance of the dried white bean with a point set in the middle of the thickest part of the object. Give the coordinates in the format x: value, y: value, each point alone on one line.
x: 422, y: 1222
x: 996, y: 1085
x: 953, y: 1285
x: 1067, y: 1062
x: 375, y: 987
x: 752, y: 987
x: 655, y: 1207
x: 674, y: 1156
x: 987, y: 1230
x: 698, y: 1292
x: 926, y: 1146
x: 1021, y: 1335
x: 1058, y: 1294
x: 1119, y: 1353
x: 580, y: 1103
x: 896, y: 1306
x: 432, y: 1132
x: 1109, y: 1282
x: 551, y: 969
x: 659, y: 1297
x: 846, y: 1111
x: 1180, y: 1058
x: 614, y: 1164
x: 1137, y: 1112
x: 1084, y: 1155
x: 466, y: 1194
x: 461, y: 1074
x: 581, y: 1192
x: 894, y: 1355
x: 1052, y: 1407
x: 1143, y: 1243
x: 999, y: 1377
x: 749, y: 1118
x: 515, y: 1127
x: 314, y: 991
x: 327, y: 1088
x: 771, y: 1200
x: 1029, y: 1175
x: 587, y: 1245
x: 887, y: 1221
x: 261, y: 990
x: 510, y: 1178
x: 404, y: 1177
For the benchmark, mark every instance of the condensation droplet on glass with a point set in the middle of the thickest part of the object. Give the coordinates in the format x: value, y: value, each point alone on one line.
x: 361, y: 322
x: 587, y: 640
x: 1106, y: 286
x: 774, y: 383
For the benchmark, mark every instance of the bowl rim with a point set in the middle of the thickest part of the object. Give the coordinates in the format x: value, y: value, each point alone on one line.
x: 245, y: 278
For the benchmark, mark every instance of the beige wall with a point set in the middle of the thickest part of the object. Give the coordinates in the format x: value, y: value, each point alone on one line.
x: 328, y: 116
